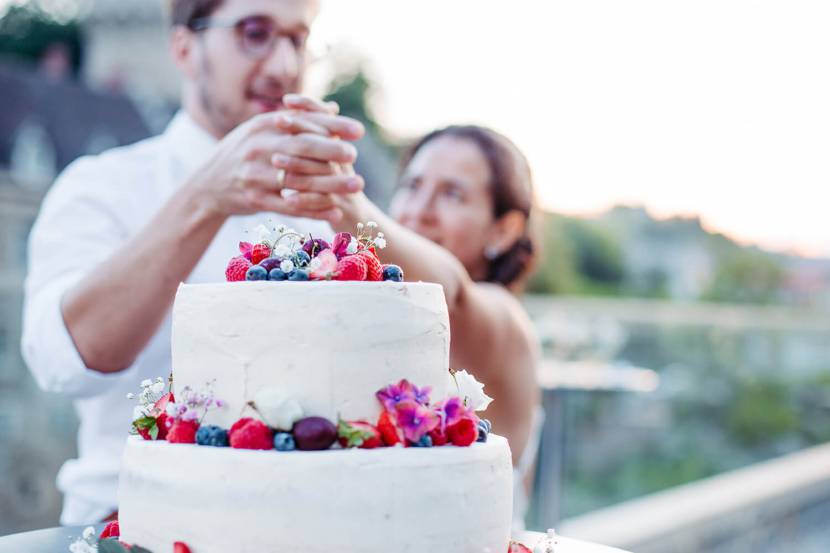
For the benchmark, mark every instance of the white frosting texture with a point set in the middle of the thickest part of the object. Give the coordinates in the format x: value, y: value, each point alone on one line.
x: 412, y: 500
x: 330, y: 345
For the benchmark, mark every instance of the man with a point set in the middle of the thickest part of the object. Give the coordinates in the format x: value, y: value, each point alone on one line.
x: 118, y: 232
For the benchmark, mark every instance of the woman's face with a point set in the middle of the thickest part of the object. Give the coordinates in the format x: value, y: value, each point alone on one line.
x: 444, y: 195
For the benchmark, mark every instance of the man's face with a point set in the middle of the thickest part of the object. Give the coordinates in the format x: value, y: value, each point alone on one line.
x: 237, y: 75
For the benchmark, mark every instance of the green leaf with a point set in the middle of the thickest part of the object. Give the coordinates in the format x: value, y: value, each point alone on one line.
x: 139, y: 549
x: 111, y: 545
x: 145, y: 423
x: 154, y: 432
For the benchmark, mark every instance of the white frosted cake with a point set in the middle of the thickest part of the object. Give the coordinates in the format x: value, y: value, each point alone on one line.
x: 330, y: 347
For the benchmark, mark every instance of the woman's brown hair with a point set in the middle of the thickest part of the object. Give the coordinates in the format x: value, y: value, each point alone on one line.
x: 511, y: 188
x: 185, y: 12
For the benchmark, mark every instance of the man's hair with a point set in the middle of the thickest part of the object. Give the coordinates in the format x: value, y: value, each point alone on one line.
x: 185, y: 12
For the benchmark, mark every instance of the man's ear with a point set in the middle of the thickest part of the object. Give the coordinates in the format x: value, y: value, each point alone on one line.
x: 183, y: 51
x: 507, y: 230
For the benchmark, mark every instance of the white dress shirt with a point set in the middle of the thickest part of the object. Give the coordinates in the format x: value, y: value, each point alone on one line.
x: 94, y: 207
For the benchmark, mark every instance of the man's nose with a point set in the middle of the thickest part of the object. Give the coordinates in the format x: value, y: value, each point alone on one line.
x: 284, y: 61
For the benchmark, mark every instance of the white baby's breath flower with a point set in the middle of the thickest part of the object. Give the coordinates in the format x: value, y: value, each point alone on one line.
x: 282, y: 251
x: 158, y: 387
x: 281, y: 229
x: 89, y: 532
x: 287, y: 266
x: 372, y: 224
x: 360, y: 226
x: 380, y: 242
x: 130, y: 395
x: 263, y: 233
x: 352, y: 247
x: 160, y: 379
x: 81, y: 546
x: 146, y: 383
x: 471, y: 391
x: 381, y: 235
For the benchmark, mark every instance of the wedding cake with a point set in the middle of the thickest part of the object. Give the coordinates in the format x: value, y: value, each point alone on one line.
x: 315, y: 414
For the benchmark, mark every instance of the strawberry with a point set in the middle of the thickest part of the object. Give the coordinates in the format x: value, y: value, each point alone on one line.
x: 389, y: 430
x: 351, y: 267
x: 162, y: 424
x: 358, y: 434
x: 463, y: 433
x: 260, y: 252
x: 439, y: 437
x: 180, y: 547
x: 248, y: 433
x: 374, y: 271
x: 183, y: 432
x: 516, y: 547
x: 323, y: 266
x: 111, y: 530
x: 237, y: 267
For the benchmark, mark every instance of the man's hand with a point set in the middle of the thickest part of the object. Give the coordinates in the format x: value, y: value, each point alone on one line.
x: 290, y: 149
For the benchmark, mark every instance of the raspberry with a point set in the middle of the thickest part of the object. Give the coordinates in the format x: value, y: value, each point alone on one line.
x: 248, y: 433
x: 260, y: 252
x: 237, y: 267
x: 111, y: 530
x: 352, y: 267
x: 439, y: 437
x: 389, y: 430
x: 374, y: 271
x: 463, y: 433
x: 516, y: 547
x: 180, y: 547
x: 161, y: 423
x: 183, y: 432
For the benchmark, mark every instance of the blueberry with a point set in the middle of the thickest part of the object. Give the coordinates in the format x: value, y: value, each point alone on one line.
x: 298, y: 275
x: 212, y: 435
x: 277, y: 274
x: 270, y: 263
x: 301, y: 259
x: 256, y: 272
x: 393, y: 273
x: 284, y: 441
x: 482, y: 435
x: 486, y: 424
x: 425, y: 441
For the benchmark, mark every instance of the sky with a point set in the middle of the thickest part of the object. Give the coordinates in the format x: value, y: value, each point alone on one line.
x: 714, y: 108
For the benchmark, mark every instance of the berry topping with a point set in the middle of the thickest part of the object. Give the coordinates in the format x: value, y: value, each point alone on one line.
x: 248, y: 433
x: 393, y: 273
x: 314, y: 434
x: 284, y: 441
x: 260, y: 252
x: 358, y: 434
x: 256, y: 272
x: 389, y: 430
x: 352, y: 267
x: 516, y: 547
x: 270, y: 263
x: 212, y: 436
x: 463, y: 433
x: 111, y: 530
x: 439, y: 437
x: 183, y: 432
x: 237, y: 267
x: 180, y: 547
x: 374, y: 270
x: 314, y: 246
x: 425, y: 441
x: 245, y: 248
x: 301, y: 259
x: 298, y: 275
x: 277, y: 274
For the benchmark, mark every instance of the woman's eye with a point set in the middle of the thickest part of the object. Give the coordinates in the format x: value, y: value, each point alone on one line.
x: 454, y: 194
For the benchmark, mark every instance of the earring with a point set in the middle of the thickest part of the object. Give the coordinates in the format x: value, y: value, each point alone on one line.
x: 491, y: 252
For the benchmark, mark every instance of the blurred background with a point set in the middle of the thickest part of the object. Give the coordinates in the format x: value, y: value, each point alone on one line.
x: 680, y: 158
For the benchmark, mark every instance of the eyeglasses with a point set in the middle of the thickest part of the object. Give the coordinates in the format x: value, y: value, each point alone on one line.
x: 256, y: 34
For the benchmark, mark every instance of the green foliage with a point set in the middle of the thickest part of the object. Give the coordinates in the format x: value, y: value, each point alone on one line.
x: 762, y: 411
x: 746, y: 277
x: 27, y: 32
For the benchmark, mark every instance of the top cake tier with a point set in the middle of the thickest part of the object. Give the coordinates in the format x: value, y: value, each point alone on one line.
x: 330, y: 345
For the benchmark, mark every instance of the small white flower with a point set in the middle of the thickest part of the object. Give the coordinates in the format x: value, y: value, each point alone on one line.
x: 381, y: 235
x: 471, y: 391
x: 380, y: 242
x: 281, y: 229
x: 81, y: 546
x: 146, y: 383
x: 372, y: 224
x: 287, y: 266
x: 263, y: 233
x: 89, y: 532
x: 282, y: 251
x: 130, y: 395
x: 360, y: 226
x: 352, y: 247
x: 160, y: 379
x: 158, y: 387
x: 277, y: 408
x: 171, y: 409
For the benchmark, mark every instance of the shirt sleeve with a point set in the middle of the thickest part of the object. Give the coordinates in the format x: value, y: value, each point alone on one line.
x: 77, y: 228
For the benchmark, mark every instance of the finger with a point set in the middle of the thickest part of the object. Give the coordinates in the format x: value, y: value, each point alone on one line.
x: 288, y: 123
x: 324, y: 184
x: 312, y: 201
x: 305, y: 103
x: 316, y: 147
x: 302, y: 166
x: 337, y: 125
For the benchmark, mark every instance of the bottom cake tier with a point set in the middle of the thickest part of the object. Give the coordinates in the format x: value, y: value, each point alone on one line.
x: 386, y: 500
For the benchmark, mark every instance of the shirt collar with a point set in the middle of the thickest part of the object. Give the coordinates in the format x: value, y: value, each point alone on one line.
x: 190, y: 144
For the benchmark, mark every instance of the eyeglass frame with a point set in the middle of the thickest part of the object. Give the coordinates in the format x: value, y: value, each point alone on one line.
x: 205, y: 23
